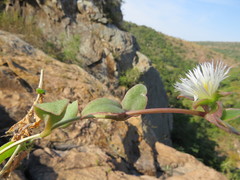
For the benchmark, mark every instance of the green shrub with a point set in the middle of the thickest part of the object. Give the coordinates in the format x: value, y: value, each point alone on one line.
x: 70, y: 49
x: 130, y: 77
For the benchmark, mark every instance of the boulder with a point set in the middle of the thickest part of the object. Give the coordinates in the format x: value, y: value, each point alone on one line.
x: 179, y: 166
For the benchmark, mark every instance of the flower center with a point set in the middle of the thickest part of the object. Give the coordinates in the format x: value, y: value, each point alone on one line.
x: 205, y: 85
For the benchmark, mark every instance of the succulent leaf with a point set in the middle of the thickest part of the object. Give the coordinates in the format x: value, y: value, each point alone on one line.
x: 135, y: 98
x: 102, y: 105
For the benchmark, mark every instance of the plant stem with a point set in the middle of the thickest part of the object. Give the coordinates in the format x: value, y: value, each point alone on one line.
x: 40, y: 85
x: 128, y: 114
x: 165, y: 110
x: 60, y: 123
x: 33, y: 137
x: 8, y: 164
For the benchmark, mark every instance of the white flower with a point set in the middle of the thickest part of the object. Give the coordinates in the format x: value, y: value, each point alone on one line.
x: 203, y: 81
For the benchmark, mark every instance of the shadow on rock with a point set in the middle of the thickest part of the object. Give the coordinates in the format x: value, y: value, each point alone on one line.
x: 131, y: 143
x: 37, y: 166
x: 5, y: 123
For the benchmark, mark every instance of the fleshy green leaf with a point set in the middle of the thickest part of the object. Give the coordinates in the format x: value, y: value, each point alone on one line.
x: 230, y: 114
x: 102, y: 105
x: 55, y: 108
x: 135, y: 98
x: 51, y: 113
x: 7, y: 153
x: 71, y: 112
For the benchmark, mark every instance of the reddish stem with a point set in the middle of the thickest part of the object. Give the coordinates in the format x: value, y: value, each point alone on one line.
x: 165, y: 110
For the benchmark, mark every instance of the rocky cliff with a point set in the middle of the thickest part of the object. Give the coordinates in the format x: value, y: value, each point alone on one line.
x: 91, y: 149
x: 104, y: 50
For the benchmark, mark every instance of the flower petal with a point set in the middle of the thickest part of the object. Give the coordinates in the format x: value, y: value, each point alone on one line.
x: 203, y: 81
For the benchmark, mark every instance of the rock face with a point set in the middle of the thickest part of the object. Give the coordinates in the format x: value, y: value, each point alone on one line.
x: 104, y: 50
x: 100, y: 41
x: 180, y: 165
x: 89, y: 149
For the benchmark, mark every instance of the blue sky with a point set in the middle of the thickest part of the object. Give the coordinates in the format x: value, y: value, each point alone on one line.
x: 191, y: 20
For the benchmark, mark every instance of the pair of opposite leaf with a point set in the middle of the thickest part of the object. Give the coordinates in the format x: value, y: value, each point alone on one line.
x: 57, y: 114
x: 135, y: 99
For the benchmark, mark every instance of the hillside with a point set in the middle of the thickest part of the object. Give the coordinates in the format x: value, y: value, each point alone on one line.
x: 229, y: 49
x: 173, y: 57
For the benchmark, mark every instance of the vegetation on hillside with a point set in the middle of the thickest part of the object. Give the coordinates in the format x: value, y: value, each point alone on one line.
x: 229, y: 49
x: 173, y: 57
x: 130, y: 77
x: 165, y: 56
